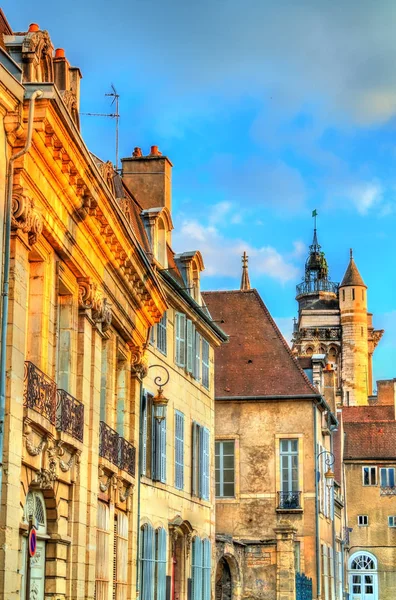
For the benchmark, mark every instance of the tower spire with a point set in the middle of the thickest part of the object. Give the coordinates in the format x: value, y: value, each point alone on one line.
x: 245, y: 281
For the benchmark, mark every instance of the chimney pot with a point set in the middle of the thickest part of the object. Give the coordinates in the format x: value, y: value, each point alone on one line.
x: 154, y: 151
x: 33, y: 27
x: 137, y: 152
x: 59, y: 53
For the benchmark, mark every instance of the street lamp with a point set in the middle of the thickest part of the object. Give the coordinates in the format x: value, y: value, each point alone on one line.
x: 329, y: 460
x: 159, y: 401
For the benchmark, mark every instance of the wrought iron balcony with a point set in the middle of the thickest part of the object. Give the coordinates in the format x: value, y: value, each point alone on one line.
x: 39, y: 392
x: 389, y: 490
x: 116, y: 449
x: 127, y: 456
x: 319, y: 285
x: 70, y: 415
x: 289, y: 500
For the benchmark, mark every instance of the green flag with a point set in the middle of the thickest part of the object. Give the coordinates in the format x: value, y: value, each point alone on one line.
x: 315, y: 213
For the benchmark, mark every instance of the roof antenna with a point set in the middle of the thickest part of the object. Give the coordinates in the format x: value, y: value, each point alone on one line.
x: 245, y: 281
x: 115, y: 116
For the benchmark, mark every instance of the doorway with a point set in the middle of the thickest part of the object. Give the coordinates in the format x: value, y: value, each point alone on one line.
x: 36, y: 512
x: 363, y: 576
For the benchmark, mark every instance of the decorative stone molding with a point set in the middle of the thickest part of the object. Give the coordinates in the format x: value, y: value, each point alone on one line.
x: 107, y: 171
x: 46, y: 477
x: 103, y: 314
x: 37, y: 51
x: 25, y: 217
x: 70, y: 100
x: 89, y: 297
x: 188, y: 541
x: 124, y: 491
x: 35, y: 450
x: 139, y: 362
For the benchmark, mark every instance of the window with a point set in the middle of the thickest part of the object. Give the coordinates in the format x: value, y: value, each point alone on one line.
x: 289, y: 465
x: 340, y: 572
x: 392, y: 521
x: 200, y: 476
x: 179, y: 450
x: 197, y: 357
x: 160, y: 564
x: 180, y: 335
x: 158, y: 466
x: 190, y: 346
x: 161, y: 334
x: 102, y: 551
x: 361, y: 332
x: 369, y: 475
x: 205, y: 363
x: 147, y: 563
x: 147, y: 410
x: 331, y: 570
x: 387, y: 477
x: 362, y: 294
x: 325, y: 571
x: 201, y: 569
x: 152, y: 335
x: 120, y: 564
x: 225, y: 468
x: 343, y: 295
x: 353, y: 293
x: 362, y: 520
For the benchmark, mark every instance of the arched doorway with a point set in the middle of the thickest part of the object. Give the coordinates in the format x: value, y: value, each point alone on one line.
x: 223, y: 580
x: 35, y: 513
x: 363, y: 577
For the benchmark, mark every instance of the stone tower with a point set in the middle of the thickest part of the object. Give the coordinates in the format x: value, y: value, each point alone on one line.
x: 333, y: 320
x: 355, y: 356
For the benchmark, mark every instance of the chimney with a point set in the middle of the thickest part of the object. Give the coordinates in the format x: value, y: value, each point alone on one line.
x: 329, y: 387
x: 61, y: 70
x: 75, y: 78
x: 149, y: 178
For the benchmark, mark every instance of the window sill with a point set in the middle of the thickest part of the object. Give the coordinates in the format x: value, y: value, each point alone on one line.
x: 290, y: 510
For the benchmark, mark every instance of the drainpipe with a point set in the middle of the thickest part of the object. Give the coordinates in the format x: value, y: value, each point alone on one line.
x: 317, y: 541
x: 141, y: 400
x: 335, y: 571
x: 6, y: 274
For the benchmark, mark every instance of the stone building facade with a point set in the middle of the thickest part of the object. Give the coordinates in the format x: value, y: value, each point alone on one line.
x: 278, y: 524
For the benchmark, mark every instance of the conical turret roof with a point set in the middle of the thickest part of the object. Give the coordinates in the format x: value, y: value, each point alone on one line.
x: 352, y: 275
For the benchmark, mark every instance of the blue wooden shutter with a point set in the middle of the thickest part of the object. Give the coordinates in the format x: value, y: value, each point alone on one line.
x: 194, y: 459
x: 201, y: 463
x: 205, y: 363
x: 144, y: 434
x: 205, y: 464
x: 162, y: 447
x: 206, y: 567
x: 161, y: 565
x: 161, y: 334
x: 197, y: 357
x: 147, y: 560
x: 196, y: 574
x: 190, y: 336
x: 180, y: 338
x: 179, y: 450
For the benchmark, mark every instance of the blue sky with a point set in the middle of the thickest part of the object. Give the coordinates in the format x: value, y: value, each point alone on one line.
x: 267, y: 109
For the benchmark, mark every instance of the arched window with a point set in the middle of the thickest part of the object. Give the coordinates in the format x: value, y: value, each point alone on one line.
x: 363, y: 578
x: 309, y: 351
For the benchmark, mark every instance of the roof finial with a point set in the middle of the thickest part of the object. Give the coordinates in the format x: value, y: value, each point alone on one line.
x: 245, y: 282
x: 351, y: 253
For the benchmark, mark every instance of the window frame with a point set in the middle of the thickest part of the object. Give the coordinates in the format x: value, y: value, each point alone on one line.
x: 392, y: 519
x: 387, y: 471
x: 290, y: 468
x: 371, y: 469
x: 220, y: 443
x: 364, y: 520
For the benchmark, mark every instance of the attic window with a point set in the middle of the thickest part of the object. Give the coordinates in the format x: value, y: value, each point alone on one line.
x: 160, y: 250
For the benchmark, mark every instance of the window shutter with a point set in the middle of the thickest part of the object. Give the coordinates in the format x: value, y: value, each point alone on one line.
x: 161, y: 565
x: 162, y: 445
x: 206, y: 564
x: 201, y: 463
x: 180, y: 326
x: 197, y: 569
x: 161, y: 334
x: 148, y: 558
x: 197, y: 359
x: 190, y: 332
x: 205, y: 465
x: 205, y: 363
x: 103, y: 545
x: 144, y: 434
x: 179, y: 450
x: 194, y: 459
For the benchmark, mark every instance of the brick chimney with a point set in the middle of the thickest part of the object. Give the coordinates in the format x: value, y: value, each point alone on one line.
x: 149, y: 178
x: 61, y: 70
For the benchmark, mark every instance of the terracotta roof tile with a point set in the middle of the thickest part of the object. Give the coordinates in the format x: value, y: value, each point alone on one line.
x: 257, y: 360
x: 359, y: 414
x: 370, y: 440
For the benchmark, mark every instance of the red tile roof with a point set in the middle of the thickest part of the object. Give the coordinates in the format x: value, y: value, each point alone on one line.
x: 370, y: 440
x: 359, y: 414
x: 257, y: 360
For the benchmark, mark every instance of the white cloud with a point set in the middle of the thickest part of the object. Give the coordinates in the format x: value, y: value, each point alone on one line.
x: 222, y: 256
x: 365, y: 196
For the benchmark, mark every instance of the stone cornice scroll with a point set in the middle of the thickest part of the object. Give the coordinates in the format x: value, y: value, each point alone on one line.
x: 139, y: 361
x: 90, y: 297
x: 25, y: 217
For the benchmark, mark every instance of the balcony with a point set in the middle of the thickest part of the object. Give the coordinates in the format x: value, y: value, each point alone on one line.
x: 316, y: 286
x: 389, y: 490
x: 116, y: 449
x: 70, y: 415
x: 289, y: 501
x: 57, y: 406
x: 39, y: 392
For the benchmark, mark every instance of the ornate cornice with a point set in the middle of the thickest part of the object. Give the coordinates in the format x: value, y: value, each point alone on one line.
x: 25, y: 217
x: 90, y: 297
x: 139, y: 361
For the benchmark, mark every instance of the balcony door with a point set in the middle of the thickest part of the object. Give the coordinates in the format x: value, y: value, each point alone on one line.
x: 34, y: 511
x: 363, y: 578
x: 289, y: 465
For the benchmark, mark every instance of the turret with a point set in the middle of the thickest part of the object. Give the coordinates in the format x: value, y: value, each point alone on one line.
x: 356, y: 378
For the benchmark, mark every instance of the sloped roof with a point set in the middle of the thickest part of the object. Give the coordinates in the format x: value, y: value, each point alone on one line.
x: 257, y: 360
x: 370, y: 440
x: 360, y: 414
x: 5, y: 29
x: 352, y: 275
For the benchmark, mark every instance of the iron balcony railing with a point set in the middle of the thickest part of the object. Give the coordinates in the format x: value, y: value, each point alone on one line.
x: 70, y: 415
x: 289, y: 500
x: 39, y: 392
x: 388, y: 490
x: 60, y: 408
x: 320, y: 285
x: 116, y: 449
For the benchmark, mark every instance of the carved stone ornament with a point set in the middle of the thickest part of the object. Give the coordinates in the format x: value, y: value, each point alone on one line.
x: 25, y: 217
x: 139, y: 362
x: 107, y: 171
x: 70, y: 100
x: 35, y: 450
x: 46, y: 477
x: 103, y: 314
x: 124, y: 491
x: 188, y: 543
x: 89, y: 297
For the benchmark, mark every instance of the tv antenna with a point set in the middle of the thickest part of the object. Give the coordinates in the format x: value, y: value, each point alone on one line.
x: 116, y: 115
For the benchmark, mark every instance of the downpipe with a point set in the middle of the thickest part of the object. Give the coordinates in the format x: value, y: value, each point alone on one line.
x: 6, y: 274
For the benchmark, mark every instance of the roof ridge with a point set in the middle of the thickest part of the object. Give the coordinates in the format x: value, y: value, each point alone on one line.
x: 285, y: 344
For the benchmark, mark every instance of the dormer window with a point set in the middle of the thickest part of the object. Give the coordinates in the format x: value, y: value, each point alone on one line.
x: 190, y: 265
x: 158, y: 224
x: 160, y: 247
